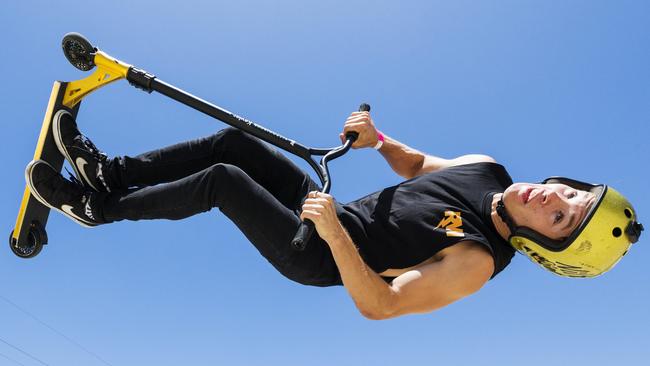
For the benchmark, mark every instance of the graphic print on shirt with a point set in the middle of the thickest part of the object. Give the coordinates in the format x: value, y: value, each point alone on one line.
x: 452, y: 223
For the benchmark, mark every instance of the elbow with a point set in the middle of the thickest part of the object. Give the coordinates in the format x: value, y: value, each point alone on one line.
x: 380, y: 306
x: 412, y: 166
x: 378, y: 312
x: 412, y: 171
x: 374, y: 314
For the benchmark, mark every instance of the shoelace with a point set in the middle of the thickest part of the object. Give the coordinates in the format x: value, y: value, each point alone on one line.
x: 95, y: 152
x: 74, y: 179
x: 85, y: 198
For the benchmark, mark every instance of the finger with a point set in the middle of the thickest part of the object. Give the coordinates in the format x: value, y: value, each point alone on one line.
x: 319, y: 203
x: 362, y: 118
x: 356, y: 124
x: 361, y: 137
x: 313, y: 204
x: 310, y: 215
x: 355, y: 127
x: 327, y: 196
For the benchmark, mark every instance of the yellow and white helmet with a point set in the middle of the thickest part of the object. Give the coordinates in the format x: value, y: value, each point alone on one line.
x: 602, y: 239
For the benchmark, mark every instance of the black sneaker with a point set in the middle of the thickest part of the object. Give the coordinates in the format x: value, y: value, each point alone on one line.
x: 85, y: 158
x: 70, y: 198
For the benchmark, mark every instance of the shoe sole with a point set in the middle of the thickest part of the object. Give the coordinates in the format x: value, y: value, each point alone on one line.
x: 56, y: 133
x: 34, y: 192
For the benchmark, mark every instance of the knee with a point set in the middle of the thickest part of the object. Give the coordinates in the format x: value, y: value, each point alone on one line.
x: 235, y: 136
x: 228, y: 144
x: 221, y: 183
x: 223, y: 173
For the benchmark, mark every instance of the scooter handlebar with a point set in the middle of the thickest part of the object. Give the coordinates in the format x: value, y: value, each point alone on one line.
x: 305, y: 231
x: 306, y: 228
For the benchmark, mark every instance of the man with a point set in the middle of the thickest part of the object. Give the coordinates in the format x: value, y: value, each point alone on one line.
x: 412, y: 248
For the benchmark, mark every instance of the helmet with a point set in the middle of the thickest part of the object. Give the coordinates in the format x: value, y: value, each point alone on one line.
x: 597, y: 244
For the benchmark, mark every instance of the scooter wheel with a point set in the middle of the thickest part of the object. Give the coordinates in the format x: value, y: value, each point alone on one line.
x: 78, y: 50
x: 35, y: 240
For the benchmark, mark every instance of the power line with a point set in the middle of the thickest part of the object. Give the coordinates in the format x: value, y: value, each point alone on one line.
x: 11, y: 359
x: 23, y: 352
x: 60, y: 334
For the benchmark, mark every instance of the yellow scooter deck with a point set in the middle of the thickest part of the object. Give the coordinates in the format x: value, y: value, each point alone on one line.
x: 32, y: 216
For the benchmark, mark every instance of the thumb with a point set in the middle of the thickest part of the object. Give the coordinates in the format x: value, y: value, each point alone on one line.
x: 342, y: 137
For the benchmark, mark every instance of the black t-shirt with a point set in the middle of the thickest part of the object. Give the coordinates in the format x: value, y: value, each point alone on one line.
x: 404, y: 225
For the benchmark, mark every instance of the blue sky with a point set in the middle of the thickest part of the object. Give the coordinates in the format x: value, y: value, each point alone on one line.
x: 546, y: 87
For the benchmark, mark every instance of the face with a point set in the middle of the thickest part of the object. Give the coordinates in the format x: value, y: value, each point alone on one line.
x: 553, y: 210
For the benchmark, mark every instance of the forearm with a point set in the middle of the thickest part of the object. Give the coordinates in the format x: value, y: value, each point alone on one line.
x: 409, y: 163
x: 404, y: 160
x: 371, y: 294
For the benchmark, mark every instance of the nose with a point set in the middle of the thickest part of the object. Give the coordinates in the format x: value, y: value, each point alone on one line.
x: 551, y: 197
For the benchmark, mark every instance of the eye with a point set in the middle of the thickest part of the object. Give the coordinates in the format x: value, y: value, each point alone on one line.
x: 572, y: 195
x: 558, y: 217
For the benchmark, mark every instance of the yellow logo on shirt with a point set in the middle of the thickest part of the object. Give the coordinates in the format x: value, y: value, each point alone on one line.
x: 452, y: 223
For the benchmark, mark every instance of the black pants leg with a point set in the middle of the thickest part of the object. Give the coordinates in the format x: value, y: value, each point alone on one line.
x: 254, y: 185
x: 267, y: 166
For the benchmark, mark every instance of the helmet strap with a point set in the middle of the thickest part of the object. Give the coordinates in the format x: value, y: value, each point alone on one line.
x: 501, y: 211
x: 633, y: 231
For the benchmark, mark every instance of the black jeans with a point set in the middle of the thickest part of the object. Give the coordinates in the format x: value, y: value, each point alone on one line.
x: 254, y: 185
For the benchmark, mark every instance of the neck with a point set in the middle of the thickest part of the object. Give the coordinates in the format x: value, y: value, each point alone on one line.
x: 499, y: 224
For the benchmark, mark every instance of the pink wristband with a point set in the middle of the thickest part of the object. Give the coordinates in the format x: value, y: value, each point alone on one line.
x: 380, y: 140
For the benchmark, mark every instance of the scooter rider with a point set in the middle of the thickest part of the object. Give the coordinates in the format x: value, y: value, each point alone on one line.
x: 410, y: 248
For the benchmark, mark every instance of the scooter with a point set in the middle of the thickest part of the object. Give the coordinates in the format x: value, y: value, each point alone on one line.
x: 29, y: 235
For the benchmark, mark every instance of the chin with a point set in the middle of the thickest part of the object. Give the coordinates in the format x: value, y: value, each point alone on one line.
x: 511, y: 195
x: 514, y: 189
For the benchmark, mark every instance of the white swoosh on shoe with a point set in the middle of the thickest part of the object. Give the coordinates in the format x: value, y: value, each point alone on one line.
x: 56, y: 131
x: 39, y: 198
x: 68, y: 210
x: 81, y: 163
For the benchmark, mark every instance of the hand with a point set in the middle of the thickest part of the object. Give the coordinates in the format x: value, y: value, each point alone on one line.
x: 361, y: 123
x: 319, y: 208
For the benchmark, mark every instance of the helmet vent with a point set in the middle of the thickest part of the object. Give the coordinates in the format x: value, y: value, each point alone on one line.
x: 617, y: 232
x: 628, y: 213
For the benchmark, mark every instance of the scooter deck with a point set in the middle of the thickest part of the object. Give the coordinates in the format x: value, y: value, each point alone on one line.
x: 32, y: 216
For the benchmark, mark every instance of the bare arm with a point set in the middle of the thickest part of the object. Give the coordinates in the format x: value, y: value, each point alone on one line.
x: 461, y: 272
x: 404, y: 160
x: 408, y: 162
x: 425, y: 289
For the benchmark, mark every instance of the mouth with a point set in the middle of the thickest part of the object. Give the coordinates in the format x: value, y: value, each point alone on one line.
x: 525, y: 197
x: 532, y: 194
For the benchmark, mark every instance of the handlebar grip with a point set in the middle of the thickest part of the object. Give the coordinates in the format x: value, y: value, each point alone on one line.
x: 364, y: 107
x: 352, y: 136
x: 305, y: 231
